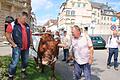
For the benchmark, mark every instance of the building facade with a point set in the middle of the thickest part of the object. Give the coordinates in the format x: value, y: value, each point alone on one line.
x: 94, y: 17
x: 51, y: 24
x: 12, y: 8
x: 74, y: 12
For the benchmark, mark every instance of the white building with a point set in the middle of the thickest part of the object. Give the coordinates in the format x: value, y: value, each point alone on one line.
x: 94, y: 17
x: 51, y: 25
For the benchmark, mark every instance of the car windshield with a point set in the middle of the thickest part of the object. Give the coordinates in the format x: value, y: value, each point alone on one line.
x: 95, y: 38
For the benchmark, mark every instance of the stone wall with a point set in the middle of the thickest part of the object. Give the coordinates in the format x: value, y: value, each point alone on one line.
x: 3, y: 14
x: 12, y: 8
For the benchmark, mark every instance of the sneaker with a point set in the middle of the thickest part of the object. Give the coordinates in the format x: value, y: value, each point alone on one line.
x: 116, y: 68
x: 108, y: 66
x: 10, y: 78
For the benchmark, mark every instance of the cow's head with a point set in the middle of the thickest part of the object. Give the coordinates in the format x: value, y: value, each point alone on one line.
x: 46, y: 37
x: 50, y: 53
x: 48, y: 48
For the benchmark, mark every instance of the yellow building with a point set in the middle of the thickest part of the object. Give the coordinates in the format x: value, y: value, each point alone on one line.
x: 94, y: 17
x: 12, y: 8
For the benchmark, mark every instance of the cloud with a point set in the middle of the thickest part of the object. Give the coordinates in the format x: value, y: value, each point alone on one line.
x: 44, y: 6
x: 43, y: 19
x: 40, y: 4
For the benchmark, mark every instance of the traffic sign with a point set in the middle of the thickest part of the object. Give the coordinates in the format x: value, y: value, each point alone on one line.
x: 114, y: 19
x: 113, y: 27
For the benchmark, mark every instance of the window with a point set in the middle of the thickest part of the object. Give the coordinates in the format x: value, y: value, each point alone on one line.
x: 108, y: 18
x: 72, y: 21
x: 104, y: 18
x: 86, y: 28
x: 72, y: 12
x: 98, y: 14
x: 78, y: 4
x: 84, y: 4
x: 98, y: 21
x: 67, y: 20
x: 73, y: 4
x: 67, y: 12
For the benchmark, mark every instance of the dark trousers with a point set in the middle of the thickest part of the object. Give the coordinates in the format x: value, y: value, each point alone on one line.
x: 113, y: 51
x: 16, y: 53
x: 86, y: 68
x: 66, y: 52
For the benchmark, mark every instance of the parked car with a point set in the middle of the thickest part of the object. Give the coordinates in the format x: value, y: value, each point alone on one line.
x: 98, y: 42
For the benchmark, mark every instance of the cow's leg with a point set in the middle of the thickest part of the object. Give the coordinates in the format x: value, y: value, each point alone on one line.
x: 53, y: 77
x: 57, y: 52
x: 41, y: 65
x: 36, y: 61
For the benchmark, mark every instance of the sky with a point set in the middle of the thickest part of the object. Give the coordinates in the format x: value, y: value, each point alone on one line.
x: 49, y: 9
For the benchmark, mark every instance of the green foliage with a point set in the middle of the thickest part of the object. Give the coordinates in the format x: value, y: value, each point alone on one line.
x: 33, y: 73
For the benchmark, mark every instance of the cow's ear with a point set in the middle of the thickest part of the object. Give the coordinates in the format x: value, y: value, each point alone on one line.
x: 41, y: 40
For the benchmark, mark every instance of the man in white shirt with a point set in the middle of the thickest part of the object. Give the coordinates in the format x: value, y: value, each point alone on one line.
x: 82, y: 49
x: 112, y: 45
x: 66, y: 42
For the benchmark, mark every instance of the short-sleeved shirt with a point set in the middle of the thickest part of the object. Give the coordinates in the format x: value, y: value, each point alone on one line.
x: 81, y: 49
x: 24, y: 35
x: 112, y: 42
x: 66, y: 41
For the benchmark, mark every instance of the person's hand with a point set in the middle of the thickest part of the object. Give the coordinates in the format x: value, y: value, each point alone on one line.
x: 31, y: 46
x: 61, y: 45
x: 14, y: 46
x: 118, y: 41
x: 90, y: 60
x: 107, y: 50
x: 65, y: 46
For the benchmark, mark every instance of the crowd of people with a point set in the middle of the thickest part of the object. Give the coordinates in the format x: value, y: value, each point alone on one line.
x: 78, y: 46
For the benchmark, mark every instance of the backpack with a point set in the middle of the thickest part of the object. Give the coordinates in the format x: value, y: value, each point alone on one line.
x: 8, y: 19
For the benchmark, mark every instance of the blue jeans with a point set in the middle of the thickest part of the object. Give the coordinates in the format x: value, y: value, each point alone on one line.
x: 16, y: 53
x: 66, y: 52
x: 86, y: 68
x: 113, y: 51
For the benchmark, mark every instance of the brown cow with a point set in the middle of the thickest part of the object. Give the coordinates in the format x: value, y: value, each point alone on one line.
x: 48, y: 52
